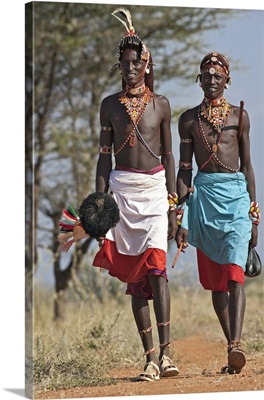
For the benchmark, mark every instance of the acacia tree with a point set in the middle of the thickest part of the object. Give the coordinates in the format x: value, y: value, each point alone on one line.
x: 70, y: 51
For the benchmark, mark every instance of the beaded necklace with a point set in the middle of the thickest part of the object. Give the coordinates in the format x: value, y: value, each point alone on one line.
x: 212, y: 149
x: 216, y: 112
x: 135, y: 106
x: 135, y: 114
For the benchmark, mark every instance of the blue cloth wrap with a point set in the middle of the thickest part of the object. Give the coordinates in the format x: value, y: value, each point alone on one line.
x: 217, y: 217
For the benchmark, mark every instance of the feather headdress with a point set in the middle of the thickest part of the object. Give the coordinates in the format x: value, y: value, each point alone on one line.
x: 131, y: 37
x: 125, y: 13
x: 97, y: 214
x: 71, y: 228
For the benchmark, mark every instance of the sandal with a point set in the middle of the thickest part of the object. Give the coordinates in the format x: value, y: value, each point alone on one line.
x: 150, y: 374
x: 236, y: 357
x: 167, y: 368
x: 227, y: 370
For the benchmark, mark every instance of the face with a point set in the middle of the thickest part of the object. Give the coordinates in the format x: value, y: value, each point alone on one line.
x: 132, y: 68
x: 213, y: 85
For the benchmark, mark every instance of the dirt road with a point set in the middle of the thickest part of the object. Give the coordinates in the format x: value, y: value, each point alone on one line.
x: 198, y: 361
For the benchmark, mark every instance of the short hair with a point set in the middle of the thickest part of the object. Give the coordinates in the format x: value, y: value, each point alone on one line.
x: 98, y: 213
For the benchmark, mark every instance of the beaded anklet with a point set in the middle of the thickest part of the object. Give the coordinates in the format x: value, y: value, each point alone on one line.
x: 163, y: 346
x: 144, y: 331
x: 234, y: 345
x: 163, y: 323
x: 149, y: 352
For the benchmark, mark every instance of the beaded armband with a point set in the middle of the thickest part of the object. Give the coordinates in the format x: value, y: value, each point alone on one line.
x: 105, y: 150
x: 173, y: 201
x: 106, y: 128
x: 254, y: 213
x: 185, y: 165
x: 179, y: 212
x: 186, y: 141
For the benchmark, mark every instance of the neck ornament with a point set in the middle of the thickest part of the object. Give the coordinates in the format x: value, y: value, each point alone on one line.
x: 135, y: 106
x: 215, y: 111
x: 136, y: 90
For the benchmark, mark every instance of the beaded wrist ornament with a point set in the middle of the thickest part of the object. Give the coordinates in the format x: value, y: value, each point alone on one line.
x: 254, y: 213
x: 173, y: 201
x: 179, y: 212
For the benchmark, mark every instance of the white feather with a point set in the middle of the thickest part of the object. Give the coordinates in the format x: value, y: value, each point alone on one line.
x: 127, y: 14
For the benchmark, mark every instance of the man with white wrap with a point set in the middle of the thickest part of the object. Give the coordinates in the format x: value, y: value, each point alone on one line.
x: 135, y: 125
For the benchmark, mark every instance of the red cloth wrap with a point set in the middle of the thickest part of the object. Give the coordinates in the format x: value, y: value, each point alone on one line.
x: 132, y: 269
x: 214, y: 276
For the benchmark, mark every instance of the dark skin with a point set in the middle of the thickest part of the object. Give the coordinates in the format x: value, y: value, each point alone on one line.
x: 155, y: 129
x: 234, y: 152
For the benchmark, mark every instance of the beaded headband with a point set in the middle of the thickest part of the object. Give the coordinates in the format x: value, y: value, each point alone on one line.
x: 131, y: 37
x: 213, y: 59
x: 209, y: 63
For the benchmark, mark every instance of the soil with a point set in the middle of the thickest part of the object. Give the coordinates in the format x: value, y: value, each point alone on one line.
x: 199, y: 363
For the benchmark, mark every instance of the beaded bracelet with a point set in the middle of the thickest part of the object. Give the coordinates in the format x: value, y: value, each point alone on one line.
x: 179, y: 212
x: 105, y: 150
x: 254, y: 213
x: 173, y: 201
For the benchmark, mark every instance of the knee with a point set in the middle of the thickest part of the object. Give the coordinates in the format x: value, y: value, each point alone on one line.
x: 235, y: 287
x: 158, y: 282
x: 157, y: 279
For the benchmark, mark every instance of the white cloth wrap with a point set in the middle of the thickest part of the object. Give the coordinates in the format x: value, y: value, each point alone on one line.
x: 143, y: 203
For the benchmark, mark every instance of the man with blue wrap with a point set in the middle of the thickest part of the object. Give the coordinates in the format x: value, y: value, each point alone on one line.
x: 219, y: 215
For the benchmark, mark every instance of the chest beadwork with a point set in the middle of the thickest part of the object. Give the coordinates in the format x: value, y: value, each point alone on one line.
x: 215, y: 112
x: 135, y: 106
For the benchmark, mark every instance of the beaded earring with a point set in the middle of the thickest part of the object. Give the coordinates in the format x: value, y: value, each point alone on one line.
x: 228, y: 82
x: 147, y: 70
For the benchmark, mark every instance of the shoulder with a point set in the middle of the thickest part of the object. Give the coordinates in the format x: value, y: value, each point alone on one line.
x: 236, y: 110
x: 160, y: 99
x: 189, y: 115
x: 110, y: 100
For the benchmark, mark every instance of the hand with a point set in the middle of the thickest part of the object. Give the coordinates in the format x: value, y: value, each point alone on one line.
x: 182, y: 237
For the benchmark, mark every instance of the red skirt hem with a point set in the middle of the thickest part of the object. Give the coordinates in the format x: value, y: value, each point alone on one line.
x: 214, y: 276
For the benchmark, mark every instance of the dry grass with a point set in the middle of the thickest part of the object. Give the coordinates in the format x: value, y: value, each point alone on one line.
x: 99, y: 335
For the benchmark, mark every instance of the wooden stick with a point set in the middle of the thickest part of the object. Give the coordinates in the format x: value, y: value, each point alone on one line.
x: 240, y: 122
x: 177, y: 255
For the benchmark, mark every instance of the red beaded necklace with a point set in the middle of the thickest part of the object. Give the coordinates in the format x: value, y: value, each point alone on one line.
x: 135, y: 106
x: 216, y: 112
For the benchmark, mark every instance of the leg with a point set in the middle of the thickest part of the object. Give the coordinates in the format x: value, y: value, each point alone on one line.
x: 237, y: 305
x: 141, y: 313
x: 230, y: 310
x: 161, y: 303
x: 221, y: 306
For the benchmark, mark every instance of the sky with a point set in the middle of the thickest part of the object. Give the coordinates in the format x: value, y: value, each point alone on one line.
x: 243, y: 40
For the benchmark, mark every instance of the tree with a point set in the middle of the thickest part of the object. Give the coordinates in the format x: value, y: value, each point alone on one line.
x: 69, y: 58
